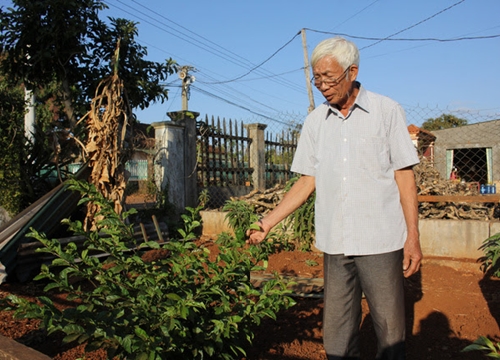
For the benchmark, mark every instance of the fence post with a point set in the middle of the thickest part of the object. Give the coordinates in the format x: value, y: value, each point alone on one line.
x: 257, y: 155
x: 175, y: 159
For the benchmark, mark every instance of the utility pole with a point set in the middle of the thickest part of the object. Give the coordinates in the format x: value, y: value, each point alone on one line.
x: 307, y: 72
x: 187, y: 80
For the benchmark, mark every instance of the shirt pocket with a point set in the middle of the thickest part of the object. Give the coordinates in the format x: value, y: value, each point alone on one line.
x: 372, y: 154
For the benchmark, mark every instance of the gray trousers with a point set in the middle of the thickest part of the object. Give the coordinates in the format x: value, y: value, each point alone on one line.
x: 380, y: 278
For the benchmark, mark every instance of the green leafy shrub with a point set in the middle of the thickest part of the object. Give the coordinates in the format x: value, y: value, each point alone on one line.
x: 490, y: 260
x: 485, y: 344
x: 176, y: 304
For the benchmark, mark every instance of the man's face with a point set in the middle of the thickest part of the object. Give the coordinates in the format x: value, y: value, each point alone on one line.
x: 333, y: 81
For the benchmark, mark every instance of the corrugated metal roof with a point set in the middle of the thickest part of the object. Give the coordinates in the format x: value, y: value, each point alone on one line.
x: 44, y: 215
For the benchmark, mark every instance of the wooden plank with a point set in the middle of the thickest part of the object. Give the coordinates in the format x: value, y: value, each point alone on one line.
x: 460, y: 198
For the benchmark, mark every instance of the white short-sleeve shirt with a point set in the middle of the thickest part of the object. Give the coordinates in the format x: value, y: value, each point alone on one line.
x: 353, y: 159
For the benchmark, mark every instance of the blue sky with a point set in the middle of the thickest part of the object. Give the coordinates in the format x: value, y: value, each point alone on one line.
x: 225, y: 39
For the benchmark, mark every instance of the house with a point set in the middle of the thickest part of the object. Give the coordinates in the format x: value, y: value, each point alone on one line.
x: 473, y: 150
x: 423, y: 141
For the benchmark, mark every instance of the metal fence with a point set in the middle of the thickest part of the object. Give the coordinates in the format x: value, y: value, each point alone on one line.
x: 279, y: 152
x: 227, y: 165
x: 463, y: 146
x: 223, y: 153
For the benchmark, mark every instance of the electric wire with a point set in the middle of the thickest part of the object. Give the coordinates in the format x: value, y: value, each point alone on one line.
x: 231, y: 92
x: 236, y: 59
x: 226, y: 93
x: 262, y: 63
x: 296, y: 88
x: 415, y: 25
x: 356, y: 14
x: 241, y: 107
x: 258, y: 67
x: 462, y: 38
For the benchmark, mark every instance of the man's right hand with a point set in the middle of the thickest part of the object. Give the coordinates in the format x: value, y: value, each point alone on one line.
x: 292, y: 200
x: 257, y: 236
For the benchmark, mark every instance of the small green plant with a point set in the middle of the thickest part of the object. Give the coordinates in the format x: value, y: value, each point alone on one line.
x: 224, y: 239
x: 192, y: 220
x: 490, y: 260
x: 485, y: 344
x: 311, y: 262
x: 179, y: 306
x: 299, y: 226
x: 203, y: 198
x: 240, y: 214
x: 280, y: 238
x: 241, y: 217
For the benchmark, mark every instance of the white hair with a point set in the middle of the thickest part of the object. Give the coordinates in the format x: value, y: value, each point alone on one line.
x: 345, y: 52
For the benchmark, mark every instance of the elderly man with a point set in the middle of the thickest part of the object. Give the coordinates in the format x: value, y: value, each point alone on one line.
x: 355, y: 151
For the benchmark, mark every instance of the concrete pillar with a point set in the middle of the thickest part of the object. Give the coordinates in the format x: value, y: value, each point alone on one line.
x: 169, y: 161
x: 175, y: 159
x: 257, y: 155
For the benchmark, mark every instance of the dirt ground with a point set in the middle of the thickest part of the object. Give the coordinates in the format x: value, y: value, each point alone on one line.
x: 449, y: 304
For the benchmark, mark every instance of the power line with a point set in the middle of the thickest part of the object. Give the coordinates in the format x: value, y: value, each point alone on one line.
x: 390, y: 37
x: 230, y: 56
x: 356, y: 14
x: 230, y: 94
x: 205, y: 47
x: 462, y: 38
x: 262, y: 63
x: 237, y: 95
x: 236, y: 59
x: 276, y: 75
x: 239, y: 106
x: 414, y: 25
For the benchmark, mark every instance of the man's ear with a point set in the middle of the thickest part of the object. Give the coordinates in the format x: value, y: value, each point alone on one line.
x: 353, y: 72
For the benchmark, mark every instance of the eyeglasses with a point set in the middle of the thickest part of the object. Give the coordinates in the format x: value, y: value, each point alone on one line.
x: 317, y: 81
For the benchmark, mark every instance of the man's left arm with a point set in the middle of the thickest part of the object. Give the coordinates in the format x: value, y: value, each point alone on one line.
x: 405, y: 179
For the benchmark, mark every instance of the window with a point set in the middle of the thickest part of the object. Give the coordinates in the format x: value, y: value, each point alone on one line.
x: 471, y: 164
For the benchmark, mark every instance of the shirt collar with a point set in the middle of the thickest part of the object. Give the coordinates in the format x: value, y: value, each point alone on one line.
x: 362, y: 101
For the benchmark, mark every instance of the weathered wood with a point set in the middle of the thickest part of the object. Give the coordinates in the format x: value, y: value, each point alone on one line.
x: 493, y: 198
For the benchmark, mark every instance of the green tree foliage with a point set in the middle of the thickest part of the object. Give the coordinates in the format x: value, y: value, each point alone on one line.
x: 28, y: 168
x: 67, y: 43
x: 445, y: 121
x: 60, y: 50
x: 11, y: 140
